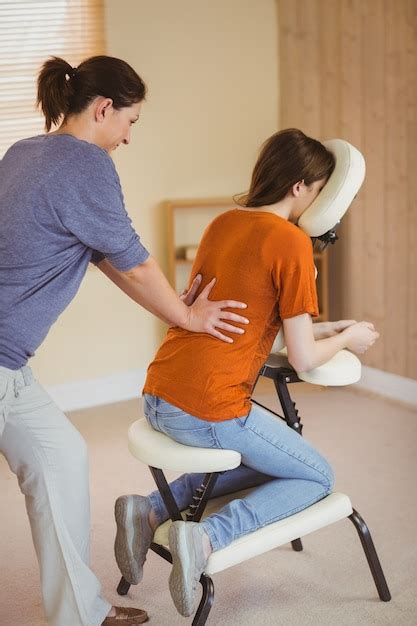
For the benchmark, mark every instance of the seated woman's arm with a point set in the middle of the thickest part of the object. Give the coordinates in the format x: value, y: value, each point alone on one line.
x: 305, y: 352
x: 321, y: 330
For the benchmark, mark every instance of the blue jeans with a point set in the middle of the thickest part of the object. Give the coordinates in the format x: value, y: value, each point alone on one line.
x: 287, y: 473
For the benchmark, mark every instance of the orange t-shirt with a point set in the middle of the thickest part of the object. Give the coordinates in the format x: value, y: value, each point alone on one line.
x: 259, y: 258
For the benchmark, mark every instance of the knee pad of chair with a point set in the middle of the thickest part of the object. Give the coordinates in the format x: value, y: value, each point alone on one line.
x: 331, y: 509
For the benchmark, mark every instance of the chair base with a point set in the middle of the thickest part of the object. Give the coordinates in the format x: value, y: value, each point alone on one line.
x: 331, y: 509
x: 341, y: 501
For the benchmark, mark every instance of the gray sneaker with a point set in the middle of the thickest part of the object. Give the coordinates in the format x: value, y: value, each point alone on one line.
x: 134, y: 536
x: 188, y: 563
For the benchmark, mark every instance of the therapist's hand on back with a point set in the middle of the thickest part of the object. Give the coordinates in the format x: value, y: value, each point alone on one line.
x: 208, y: 316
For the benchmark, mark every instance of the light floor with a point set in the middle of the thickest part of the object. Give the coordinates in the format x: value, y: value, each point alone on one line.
x: 372, y: 446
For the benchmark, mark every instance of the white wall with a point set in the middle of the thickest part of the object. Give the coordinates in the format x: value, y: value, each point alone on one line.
x: 211, y: 71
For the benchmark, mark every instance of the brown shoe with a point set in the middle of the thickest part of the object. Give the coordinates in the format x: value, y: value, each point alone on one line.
x: 126, y: 617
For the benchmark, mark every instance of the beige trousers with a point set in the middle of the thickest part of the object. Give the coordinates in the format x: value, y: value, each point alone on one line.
x: 49, y: 457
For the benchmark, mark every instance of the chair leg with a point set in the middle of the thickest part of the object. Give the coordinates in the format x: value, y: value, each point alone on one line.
x: 206, y: 601
x: 371, y: 555
x: 297, y: 545
x: 123, y: 587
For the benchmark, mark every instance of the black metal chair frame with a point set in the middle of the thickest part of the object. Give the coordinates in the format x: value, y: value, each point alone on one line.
x: 281, y: 377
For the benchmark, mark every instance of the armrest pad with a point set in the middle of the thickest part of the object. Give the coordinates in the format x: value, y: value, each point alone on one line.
x: 343, y: 369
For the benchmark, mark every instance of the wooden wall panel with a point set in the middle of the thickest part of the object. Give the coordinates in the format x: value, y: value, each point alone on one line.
x: 396, y: 274
x: 412, y: 186
x: 288, y: 50
x: 329, y: 16
x: 359, y: 63
x: 330, y: 63
x: 372, y: 254
x: 349, y: 84
x: 308, y: 80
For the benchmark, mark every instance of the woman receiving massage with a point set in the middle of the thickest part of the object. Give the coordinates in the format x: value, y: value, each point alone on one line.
x: 198, y: 389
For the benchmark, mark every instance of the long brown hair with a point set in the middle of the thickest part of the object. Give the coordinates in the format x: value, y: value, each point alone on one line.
x: 64, y: 90
x: 285, y: 158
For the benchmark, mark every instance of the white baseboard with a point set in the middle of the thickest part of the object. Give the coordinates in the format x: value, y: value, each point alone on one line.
x: 388, y: 385
x: 128, y: 385
x: 107, y: 390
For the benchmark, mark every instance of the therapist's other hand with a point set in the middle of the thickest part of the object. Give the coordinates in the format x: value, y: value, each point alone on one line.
x: 208, y: 316
x: 188, y: 296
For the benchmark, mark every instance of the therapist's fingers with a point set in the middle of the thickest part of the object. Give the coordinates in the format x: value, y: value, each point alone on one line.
x: 230, y: 328
x: 222, y: 304
x: 219, y: 335
x: 188, y: 297
x: 206, y: 291
x: 232, y: 304
x: 233, y: 317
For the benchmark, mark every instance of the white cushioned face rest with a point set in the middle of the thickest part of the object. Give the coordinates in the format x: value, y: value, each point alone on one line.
x: 158, y: 450
x: 342, y: 369
x: 331, y: 509
x: 336, y: 196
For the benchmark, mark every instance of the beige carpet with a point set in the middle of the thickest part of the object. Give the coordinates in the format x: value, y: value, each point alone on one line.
x: 371, y: 443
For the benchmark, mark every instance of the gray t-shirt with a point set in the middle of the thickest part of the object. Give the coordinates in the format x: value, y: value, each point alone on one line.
x: 61, y: 206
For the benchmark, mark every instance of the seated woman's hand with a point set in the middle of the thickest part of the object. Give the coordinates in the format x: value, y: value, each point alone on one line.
x: 208, y: 316
x: 360, y: 337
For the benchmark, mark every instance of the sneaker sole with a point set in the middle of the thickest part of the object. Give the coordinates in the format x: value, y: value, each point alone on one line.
x: 179, y: 580
x: 128, y: 539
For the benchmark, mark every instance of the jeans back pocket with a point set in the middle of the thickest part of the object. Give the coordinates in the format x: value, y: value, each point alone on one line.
x: 188, y: 430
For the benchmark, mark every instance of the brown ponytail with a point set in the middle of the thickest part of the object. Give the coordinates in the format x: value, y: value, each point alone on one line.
x: 64, y: 90
x: 286, y: 157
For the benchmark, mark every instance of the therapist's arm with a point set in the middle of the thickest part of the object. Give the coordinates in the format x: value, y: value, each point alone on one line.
x: 146, y: 285
x: 305, y: 352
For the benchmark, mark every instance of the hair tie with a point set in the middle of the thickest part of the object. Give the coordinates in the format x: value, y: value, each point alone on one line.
x: 69, y: 74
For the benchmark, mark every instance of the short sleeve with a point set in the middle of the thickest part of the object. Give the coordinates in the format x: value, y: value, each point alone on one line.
x: 90, y: 205
x: 97, y: 257
x: 295, y: 281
